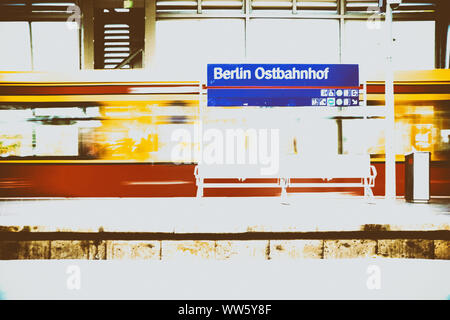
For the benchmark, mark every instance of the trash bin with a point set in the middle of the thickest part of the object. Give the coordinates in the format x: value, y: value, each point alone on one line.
x: 417, y: 177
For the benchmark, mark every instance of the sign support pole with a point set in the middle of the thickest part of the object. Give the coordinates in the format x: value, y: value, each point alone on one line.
x: 390, y: 190
x: 199, y: 131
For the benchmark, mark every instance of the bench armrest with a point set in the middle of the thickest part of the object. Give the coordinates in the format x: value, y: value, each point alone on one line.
x: 373, y: 172
x: 196, y: 171
x: 373, y: 175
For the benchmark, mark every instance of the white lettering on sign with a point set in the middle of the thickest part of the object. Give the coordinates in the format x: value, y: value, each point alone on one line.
x: 274, y: 73
x: 238, y: 73
x: 291, y: 74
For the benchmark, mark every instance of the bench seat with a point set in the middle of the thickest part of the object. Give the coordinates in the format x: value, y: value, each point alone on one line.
x: 293, y: 167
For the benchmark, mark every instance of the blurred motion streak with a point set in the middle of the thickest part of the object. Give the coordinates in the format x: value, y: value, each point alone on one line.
x: 73, y: 137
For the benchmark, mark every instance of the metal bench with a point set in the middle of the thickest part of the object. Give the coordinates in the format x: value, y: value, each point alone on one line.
x: 294, y: 167
x: 241, y: 172
x: 328, y: 168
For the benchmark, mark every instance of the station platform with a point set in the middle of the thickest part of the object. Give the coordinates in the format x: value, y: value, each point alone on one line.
x: 309, y: 226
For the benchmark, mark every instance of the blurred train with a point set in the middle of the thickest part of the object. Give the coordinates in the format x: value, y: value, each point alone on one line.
x: 110, y: 133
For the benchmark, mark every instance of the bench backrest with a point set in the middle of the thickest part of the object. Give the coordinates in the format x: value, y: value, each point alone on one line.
x: 335, y: 166
x: 225, y: 171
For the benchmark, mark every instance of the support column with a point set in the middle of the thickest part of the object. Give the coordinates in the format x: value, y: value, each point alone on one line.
x: 150, y: 33
x: 340, y: 136
x: 87, y: 22
x: 30, y: 33
x: 246, y: 8
x: 390, y: 191
x: 441, y: 29
x: 341, y: 10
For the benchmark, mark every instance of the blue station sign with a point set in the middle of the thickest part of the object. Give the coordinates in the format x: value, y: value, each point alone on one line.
x: 283, y: 85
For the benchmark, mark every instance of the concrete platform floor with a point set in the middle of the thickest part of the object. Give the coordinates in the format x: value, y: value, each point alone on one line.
x: 304, y: 213
x: 223, y: 228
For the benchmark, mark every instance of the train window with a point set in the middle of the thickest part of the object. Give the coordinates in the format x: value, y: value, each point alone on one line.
x: 92, y: 112
x: 56, y: 140
x: 363, y: 136
x: 15, y: 53
x: 413, y: 46
x: 16, y: 135
x: 186, y: 46
x: 364, y: 45
x: 16, y: 139
x: 13, y: 116
x: 315, y: 136
x: 292, y: 39
x: 61, y: 113
x: 55, y: 46
x: 42, y: 131
x: 445, y: 138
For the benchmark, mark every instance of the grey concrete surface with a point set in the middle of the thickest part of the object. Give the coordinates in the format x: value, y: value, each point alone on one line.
x: 223, y: 215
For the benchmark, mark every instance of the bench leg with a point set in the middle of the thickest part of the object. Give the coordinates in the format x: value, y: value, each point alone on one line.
x: 368, y: 194
x: 199, y: 188
x: 283, y: 183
